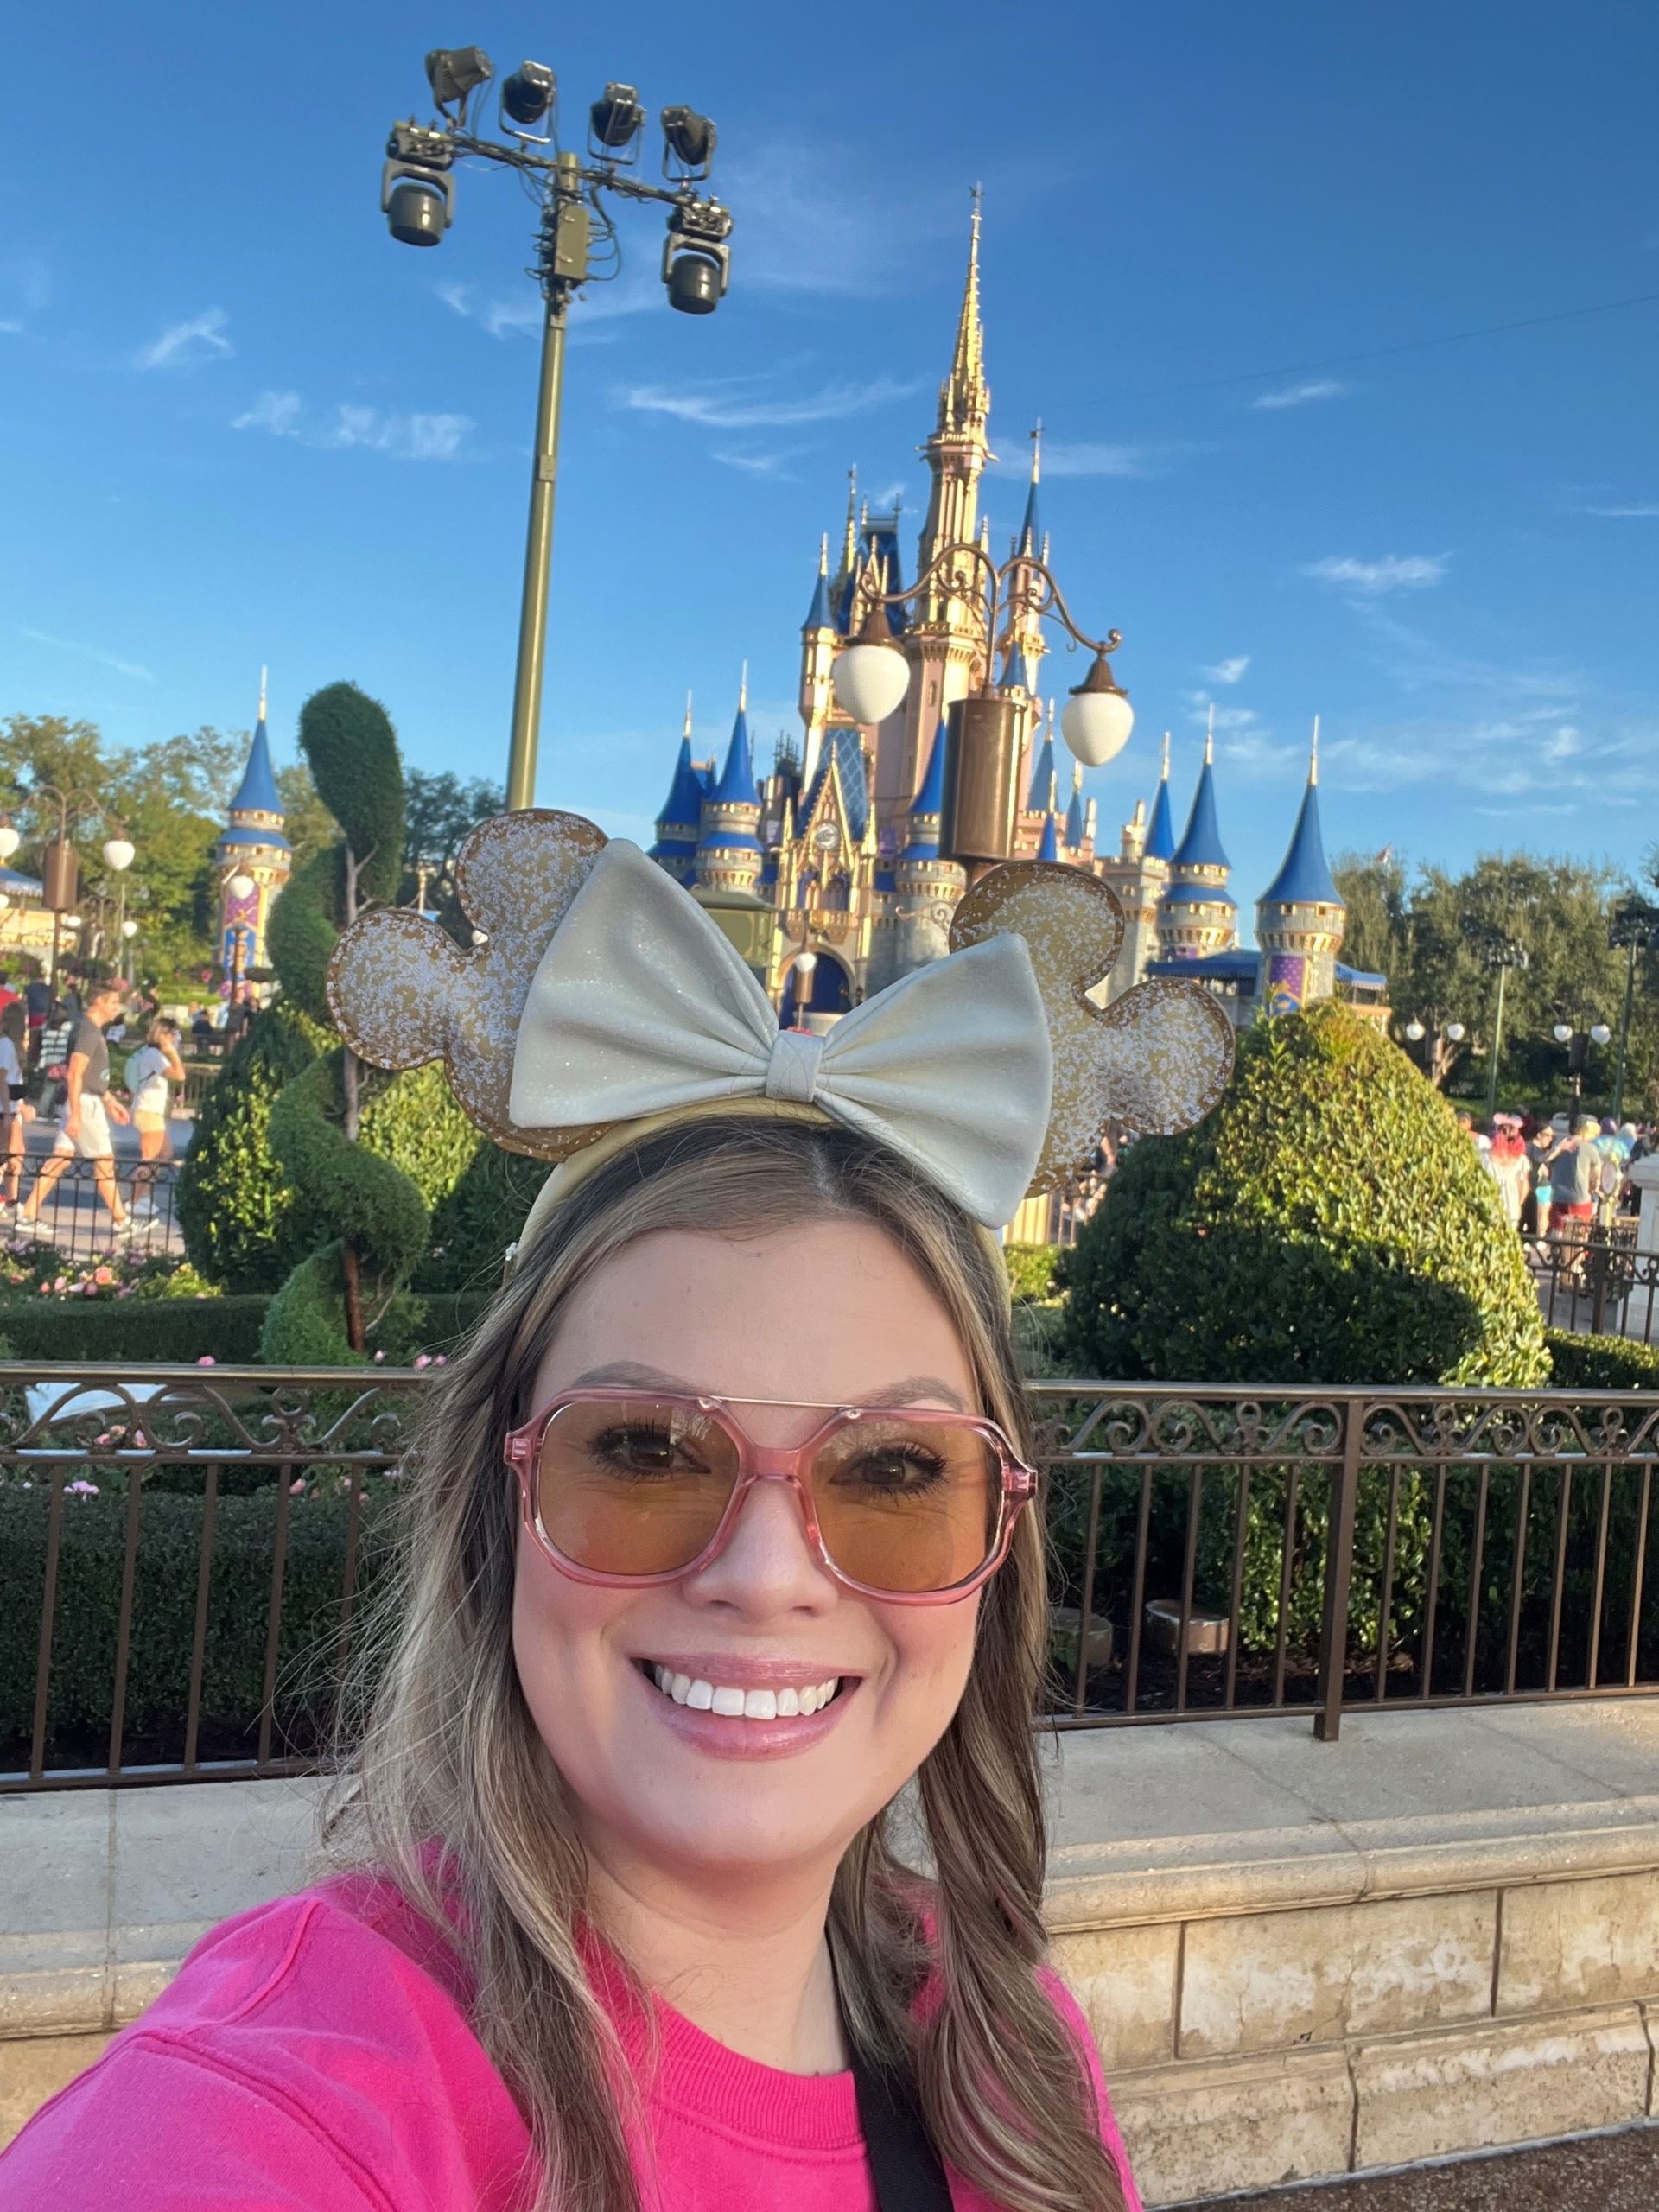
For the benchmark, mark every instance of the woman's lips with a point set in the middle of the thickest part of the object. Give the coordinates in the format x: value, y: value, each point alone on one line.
x: 705, y: 1716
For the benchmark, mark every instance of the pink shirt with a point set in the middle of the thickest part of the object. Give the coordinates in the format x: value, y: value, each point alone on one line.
x: 313, y: 2057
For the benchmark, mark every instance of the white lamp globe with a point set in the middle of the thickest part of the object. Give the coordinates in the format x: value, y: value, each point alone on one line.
x: 1456, y: 1032
x: 1562, y: 1033
x: 1414, y: 1031
x: 1599, y: 1033
x: 118, y: 853
x: 241, y: 886
x: 72, y: 921
x: 806, y: 962
x: 10, y: 841
x: 1096, y: 721
x: 128, y: 930
x: 869, y: 680
x: 5, y: 902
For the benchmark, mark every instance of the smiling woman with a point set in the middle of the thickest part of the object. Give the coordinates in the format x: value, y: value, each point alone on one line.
x: 718, y: 1544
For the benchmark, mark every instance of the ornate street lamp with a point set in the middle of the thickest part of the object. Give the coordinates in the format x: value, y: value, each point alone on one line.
x: 1578, y: 1036
x: 1502, y: 952
x: 418, y: 197
x: 982, y: 760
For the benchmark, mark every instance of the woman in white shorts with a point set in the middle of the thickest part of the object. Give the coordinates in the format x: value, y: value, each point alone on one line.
x: 150, y: 1070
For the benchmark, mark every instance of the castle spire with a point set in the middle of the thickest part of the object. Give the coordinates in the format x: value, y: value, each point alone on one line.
x: 263, y: 674
x: 964, y: 398
x: 1032, y: 539
x: 1313, y: 754
x: 850, y: 535
x: 1210, y: 737
x: 686, y: 732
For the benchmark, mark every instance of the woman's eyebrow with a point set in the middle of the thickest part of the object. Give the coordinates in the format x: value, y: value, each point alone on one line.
x: 633, y: 1375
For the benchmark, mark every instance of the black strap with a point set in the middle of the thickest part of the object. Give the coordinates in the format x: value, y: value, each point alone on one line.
x: 909, y: 2177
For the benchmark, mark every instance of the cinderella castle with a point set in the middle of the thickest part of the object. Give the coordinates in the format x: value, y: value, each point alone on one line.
x: 827, y: 871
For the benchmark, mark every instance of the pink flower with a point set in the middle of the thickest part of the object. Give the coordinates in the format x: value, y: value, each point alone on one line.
x: 440, y: 1359
x: 207, y: 1360
x: 140, y: 1442
x: 422, y: 1359
x: 80, y: 1490
x: 296, y: 1488
x: 379, y: 1357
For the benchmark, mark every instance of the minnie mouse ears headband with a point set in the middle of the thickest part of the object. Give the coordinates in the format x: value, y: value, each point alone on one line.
x: 601, y: 996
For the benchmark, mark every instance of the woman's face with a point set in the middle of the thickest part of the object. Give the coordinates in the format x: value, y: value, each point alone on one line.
x: 831, y: 1312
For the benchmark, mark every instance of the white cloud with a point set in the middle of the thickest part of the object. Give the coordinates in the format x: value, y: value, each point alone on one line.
x: 405, y: 437
x: 1302, y: 395
x: 1646, y: 511
x: 8, y: 326
x: 132, y: 668
x: 795, y: 236
x: 734, y: 402
x: 1494, y: 758
x: 1228, y: 671
x: 521, y: 314
x: 1394, y: 572
x: 1088, y: 459
x: 1257, y: 753
x: 187, y: 345
x: 756, y: 464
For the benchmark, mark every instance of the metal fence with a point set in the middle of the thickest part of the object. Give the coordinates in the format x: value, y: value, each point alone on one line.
x: 1598, y: 1282
x: 184, y: 1553
x: 70, y: 1212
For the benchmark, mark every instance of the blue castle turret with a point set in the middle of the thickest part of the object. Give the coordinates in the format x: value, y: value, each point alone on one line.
x: 252, y: 852
x: 1300, y: 917
x: 728, y: 854
x: 680, y: 823
x: 1196, y: 917
x: 1161, y: 832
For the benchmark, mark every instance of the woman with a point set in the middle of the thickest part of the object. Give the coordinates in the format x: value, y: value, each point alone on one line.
x: 1505, y: 1161
x: 718, y: 1539
x: 15, y: 1111
x: 149, y: 1072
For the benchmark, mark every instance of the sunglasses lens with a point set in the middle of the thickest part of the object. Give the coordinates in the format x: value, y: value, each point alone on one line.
x: 906, y: 1503
x: 634, y: 1486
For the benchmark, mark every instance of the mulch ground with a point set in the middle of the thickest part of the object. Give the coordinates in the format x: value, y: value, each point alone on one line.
x: 1604, y: 2173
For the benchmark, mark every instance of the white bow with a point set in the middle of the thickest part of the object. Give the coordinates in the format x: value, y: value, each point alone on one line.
x: 641, y: 1004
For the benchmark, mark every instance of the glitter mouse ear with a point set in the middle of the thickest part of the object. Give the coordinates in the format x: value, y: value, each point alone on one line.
x: 1156, y: 1060
x: 403, y: 992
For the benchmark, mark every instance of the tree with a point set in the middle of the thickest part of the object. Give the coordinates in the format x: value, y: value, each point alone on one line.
x: 440, y: 811
x: 1429, y: 934
x: 307, y: 824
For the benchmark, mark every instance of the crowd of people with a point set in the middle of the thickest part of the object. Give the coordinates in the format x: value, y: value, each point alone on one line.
x: 54, y: 1068
x: 1560, y: 1176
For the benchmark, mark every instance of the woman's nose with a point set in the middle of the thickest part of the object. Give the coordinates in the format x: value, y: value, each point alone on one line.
x: 768, y: 1564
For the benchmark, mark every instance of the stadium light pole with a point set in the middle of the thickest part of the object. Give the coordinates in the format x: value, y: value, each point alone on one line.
x: 418, y: 197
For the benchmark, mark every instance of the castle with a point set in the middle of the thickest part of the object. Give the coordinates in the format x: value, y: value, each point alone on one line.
x: 252, y: 851
x: 827, y: 872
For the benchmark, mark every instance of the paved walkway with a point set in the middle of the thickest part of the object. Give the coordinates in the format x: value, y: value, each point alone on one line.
x: 1604, y: 2173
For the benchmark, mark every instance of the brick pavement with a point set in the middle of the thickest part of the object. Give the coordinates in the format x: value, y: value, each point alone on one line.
x: 1603, y: 2173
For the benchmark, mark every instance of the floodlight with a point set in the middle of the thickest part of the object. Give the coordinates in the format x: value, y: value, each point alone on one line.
x: 528, y: 93
x: 455, y: 72
x: 691, y: 137
x: 418, y: 210
x: 696, y: 258
x: 617, y: 118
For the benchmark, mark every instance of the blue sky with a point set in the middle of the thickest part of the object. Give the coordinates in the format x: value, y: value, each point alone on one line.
x: 238, y: 425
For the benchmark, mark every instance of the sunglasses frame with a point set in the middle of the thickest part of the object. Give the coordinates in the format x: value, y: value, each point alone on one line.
x: 756, y: 1463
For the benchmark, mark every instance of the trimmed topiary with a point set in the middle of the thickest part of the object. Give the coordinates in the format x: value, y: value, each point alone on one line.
x: 478, y: 1219
x: 1590, y: 1363
x: 236, y: 1210
x: 1329, y: 1222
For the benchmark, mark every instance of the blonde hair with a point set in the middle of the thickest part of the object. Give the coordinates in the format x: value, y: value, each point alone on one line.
x: 450, y: 1791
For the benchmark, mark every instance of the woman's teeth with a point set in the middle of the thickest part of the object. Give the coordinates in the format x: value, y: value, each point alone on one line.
x: 743, y: 1705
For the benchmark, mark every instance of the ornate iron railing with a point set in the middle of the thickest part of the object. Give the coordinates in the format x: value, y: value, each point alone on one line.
x: 185, y: 1553
x: 69, y: 1213
x: 1598, y: 1282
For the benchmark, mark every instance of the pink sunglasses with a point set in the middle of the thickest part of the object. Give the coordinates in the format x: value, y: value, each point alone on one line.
x: 631, y: 1488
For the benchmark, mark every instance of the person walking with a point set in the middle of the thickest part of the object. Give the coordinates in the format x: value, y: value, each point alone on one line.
x: 1505, y: 1161
x: 14, y: 1110
x: 84, y: 1119
x: 148, y: 1072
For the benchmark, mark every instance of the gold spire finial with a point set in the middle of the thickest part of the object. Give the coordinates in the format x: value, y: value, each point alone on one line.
x: 263, y: 674
x: 686, y: 732
x: 1053, y: 791
x: 849, y: 535
x: 743, y: 690
x: 1077, y: 775
x: 963, y: 398
x: 823, y: 555
x: 1166, y: 774
x: 1210, y: 736
x: 1036, y: 436
x: 1313, y: 755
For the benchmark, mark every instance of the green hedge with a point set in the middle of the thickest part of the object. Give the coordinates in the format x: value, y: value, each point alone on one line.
x: 168, y: 1331
x: 1601, y: 1363
x: 1031, y: 1270
x: 88, y: 1601
x: 1327, y: 1223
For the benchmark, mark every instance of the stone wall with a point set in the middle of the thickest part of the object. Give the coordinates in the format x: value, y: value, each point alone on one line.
x: 1440, y: 1934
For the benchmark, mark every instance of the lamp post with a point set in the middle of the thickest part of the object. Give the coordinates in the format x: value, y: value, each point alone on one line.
x: 1503, y: 952
x: 1578, y: 1036
x: 1634, y: 928
x: 418, y: 197
x: 1437, y: 1060
x: 805, y: 967
x: 59, y: 861
x: 981, y: 758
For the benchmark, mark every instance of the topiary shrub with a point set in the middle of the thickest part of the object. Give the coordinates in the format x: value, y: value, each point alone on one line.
x: 478, y: 1219
x: 1601, y: 1363
x: 1031, y: 1270
x: 235, y: 1209
x: 174, y: 1331
x: 1328, y: 1223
